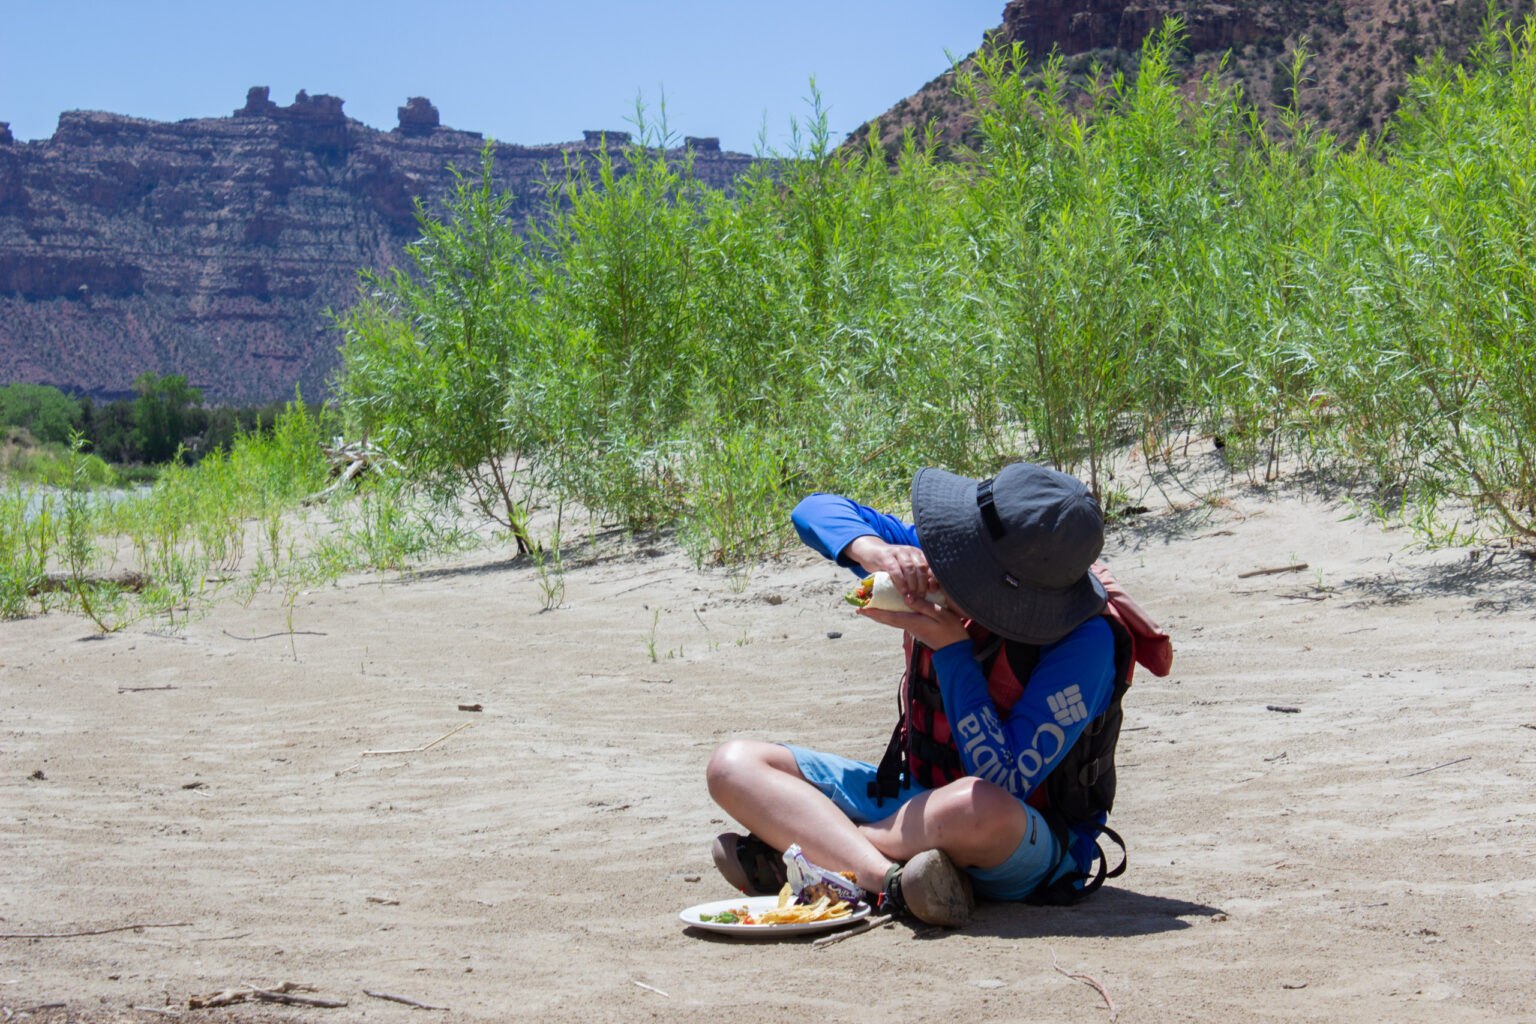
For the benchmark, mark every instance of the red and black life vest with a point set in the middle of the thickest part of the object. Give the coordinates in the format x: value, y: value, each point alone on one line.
x: 1082, y: 785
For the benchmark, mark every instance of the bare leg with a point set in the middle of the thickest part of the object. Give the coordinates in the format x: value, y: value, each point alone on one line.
x: 976, y: 822
x: 760, y: 786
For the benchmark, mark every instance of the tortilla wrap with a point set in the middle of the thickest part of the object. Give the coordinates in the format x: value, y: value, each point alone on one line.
x: 879, y: 591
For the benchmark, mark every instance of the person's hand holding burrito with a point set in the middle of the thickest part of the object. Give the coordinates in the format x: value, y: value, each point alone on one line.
x: 930, y: 625
x: 907, y: 566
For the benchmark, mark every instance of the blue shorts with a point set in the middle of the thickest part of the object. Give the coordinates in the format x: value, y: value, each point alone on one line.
x: 846, y: 782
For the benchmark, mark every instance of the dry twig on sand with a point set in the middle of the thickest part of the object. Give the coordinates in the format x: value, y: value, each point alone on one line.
x: 417, y: 750
x: 1436, y: 768
x: 94, y: 931
x: 1114, y: 1011
x: 1298, y: 567
x: 650, y: 988
x: 868, y: 924
x: 402, y: 999
x: 269, y: 636
x: 286, y: 993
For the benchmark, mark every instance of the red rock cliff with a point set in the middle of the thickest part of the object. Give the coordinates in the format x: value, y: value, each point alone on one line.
x: 214, y: 247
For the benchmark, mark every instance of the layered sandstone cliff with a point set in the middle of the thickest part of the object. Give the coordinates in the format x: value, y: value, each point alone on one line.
x: 214, y: 247
x: 1361, y: 53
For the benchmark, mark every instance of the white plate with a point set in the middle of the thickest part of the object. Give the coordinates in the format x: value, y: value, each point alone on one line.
x: 758, y: 905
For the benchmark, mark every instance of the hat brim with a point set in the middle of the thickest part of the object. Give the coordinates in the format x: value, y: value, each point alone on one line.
x: 953, y: 537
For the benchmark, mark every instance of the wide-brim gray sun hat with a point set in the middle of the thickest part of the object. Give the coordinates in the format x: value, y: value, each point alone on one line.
x: 1013, y: 551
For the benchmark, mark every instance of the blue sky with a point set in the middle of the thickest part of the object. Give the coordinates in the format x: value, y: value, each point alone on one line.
x: 521, y: 72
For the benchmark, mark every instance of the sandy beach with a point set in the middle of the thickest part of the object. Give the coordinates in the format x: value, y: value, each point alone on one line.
x: 1330, y: 804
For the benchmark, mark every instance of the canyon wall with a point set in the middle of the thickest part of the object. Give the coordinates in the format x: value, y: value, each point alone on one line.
x: 214, y: 247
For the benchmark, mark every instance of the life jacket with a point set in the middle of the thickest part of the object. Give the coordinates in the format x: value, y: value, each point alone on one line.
x: 1081, y: 787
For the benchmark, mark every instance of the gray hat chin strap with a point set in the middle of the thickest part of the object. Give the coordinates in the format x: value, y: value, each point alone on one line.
x: 989, y: 509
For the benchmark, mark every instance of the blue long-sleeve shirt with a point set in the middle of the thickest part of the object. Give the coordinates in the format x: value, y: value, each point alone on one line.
x: 1072, y: 683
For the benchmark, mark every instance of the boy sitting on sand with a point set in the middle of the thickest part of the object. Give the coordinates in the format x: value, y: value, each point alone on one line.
x: 1012, y: 554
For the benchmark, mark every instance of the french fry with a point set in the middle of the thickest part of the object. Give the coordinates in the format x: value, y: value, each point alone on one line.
x: 823, y: 909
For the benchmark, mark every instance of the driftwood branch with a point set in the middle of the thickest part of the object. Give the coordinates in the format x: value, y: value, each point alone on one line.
x: 94, y: 931
x: 402, y: 999
x: 56, y: 581
x: 350, y: 460
x: 1088, y: 979
x: 286, y: 993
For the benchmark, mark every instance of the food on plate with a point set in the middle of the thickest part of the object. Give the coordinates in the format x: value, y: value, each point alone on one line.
x: 791, y: 909
x: 879, y: 591
x: 738, y: 916
x: 789, y: 912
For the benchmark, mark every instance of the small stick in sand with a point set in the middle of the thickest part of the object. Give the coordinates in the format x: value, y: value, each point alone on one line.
x: 868, y: 924
x: 269, y: 636
x: 144, y: 689
x: 388, y: 901
x: 1298, y: 567
x: 1437, y: 767
x: 402, y: 999
x: 650, y: 988
x: 417, y: 750
x: 96, y: 931
x: 1284, y: 709
x: 1114, y: 1011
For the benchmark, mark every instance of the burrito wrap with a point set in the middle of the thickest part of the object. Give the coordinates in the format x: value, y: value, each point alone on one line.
x: 886, y: 597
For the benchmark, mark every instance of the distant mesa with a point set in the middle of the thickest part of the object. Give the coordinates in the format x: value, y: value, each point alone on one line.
x: 417, y: 117
x: 702, y: 143
x: 318, y: 109
x: 5, y: 133
x: 595, y: 138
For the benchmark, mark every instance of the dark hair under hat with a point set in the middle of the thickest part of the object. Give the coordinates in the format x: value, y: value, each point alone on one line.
x: 1013, y: 551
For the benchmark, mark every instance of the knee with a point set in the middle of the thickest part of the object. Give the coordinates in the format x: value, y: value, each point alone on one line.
x: 981, y: 809
x: 732, y: 762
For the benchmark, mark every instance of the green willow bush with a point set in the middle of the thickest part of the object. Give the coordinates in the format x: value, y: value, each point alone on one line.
x: 430, y: 356
x: 1118, y: 261
x: 1447, y: 234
